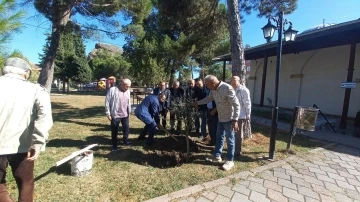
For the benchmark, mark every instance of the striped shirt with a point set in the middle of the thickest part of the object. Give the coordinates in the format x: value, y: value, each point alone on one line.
x: 227, y: 104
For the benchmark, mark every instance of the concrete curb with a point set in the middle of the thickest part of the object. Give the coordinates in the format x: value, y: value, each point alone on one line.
x: 222, y: 181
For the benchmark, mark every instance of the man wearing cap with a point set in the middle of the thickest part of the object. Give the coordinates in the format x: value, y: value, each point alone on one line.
x: 25, y: 121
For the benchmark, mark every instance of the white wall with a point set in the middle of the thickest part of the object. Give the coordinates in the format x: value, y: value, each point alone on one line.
x: 323, y: 71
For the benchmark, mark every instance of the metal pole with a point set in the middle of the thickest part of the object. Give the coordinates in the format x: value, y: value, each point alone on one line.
x: 292, y: 129
x: 275, y: 111
x: 349, y: 78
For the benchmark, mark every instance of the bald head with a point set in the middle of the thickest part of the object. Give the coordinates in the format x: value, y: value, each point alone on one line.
x: 211, y: 82
x: 235, y: 81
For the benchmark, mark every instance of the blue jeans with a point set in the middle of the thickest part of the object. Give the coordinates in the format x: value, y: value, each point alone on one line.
x: 225, y: 129
x: 203, y: 122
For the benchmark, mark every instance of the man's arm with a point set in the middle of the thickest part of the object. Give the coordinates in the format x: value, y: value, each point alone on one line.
x: 107, y: 103
x: 155, y: 111
x: 206, y: 100
x: 233, y: 100
x: 43, y: 121
x: 246, y: 100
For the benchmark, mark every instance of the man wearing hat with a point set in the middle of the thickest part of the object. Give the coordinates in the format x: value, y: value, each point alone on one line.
x: 25, y: 121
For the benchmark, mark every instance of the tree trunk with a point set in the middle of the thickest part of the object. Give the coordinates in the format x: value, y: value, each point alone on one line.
x: 47, y: 71
x: 237, y: 50
x: 172, y: 76
x: 64, y: 85
x: 68, y: 85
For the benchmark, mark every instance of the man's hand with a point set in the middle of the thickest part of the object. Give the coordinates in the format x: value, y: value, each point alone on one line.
x: 159, y: 126
x: 213, y: 112
x: 33, y: 154
x: 235, y: 126
x: 109, y: 117
x: 247, y: 117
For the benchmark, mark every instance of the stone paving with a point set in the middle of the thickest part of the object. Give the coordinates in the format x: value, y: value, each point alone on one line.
x: 327, y: 175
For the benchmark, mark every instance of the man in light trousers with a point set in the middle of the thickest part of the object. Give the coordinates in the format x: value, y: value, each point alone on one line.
x: 228, y: 110
x: 243, y: 95
x: 25, y: 121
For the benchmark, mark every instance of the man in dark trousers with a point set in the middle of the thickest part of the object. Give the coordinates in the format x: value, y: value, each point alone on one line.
x: 148, y: 112
x: 176, y: 94
x: 200, y: 93
x: 189, y: 92
x: 117, y: 109
x: 166, y: 104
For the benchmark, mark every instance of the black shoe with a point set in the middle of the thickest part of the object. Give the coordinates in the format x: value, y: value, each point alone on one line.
x: 141, y: 137
x: 114, y: 149
x: 212, y: 143
x: 126, y: 143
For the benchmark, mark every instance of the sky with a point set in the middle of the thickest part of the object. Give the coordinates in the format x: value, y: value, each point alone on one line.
x: 309, y: 13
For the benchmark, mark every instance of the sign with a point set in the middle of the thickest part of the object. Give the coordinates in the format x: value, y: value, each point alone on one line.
x: 348, y: 85
x: 248, y: 68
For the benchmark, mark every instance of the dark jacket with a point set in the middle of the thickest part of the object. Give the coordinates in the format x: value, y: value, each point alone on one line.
x: 176, y: 94
x: 165, y: 104
x: 148, y: 110
x: 201, y: 93
x: 189, y: 93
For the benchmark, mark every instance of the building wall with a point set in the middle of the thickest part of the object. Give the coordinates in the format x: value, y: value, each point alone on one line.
x: 316, y: 79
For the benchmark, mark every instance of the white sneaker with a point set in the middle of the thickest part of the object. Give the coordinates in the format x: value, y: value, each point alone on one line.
x: 214, y: 158
x: 228, y: 165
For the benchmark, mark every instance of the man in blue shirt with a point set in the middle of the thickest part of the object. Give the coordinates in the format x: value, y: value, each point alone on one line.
x: 148, y: 112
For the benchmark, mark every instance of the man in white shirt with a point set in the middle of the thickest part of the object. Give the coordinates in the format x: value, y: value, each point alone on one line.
x: 243, y: 95
x: 117, y: 109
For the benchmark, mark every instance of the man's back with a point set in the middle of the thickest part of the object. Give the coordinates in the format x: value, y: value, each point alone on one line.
x: 17, y: 115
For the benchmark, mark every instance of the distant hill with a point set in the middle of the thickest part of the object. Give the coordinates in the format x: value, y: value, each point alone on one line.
x: 101, y: 47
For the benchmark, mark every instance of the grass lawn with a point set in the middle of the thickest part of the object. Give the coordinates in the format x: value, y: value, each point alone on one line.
x: 133, y: 173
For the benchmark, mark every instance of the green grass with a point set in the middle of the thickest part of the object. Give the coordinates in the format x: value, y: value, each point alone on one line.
x: 133, y: 173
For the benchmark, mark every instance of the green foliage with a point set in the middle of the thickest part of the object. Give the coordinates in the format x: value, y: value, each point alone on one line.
x: 268, y: 7
x: 174, y: 36
x: 70, y: 60
x: 106, y: 64
x: 217, y: 70
x: 9, y: 21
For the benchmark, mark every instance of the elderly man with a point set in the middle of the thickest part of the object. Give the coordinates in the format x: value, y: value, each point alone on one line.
x: 189, y: 92
x: 176, y: 94
x: 228, y: 109
x: 166, y: 104
x: 148, y: 112
x: 243, y: 95
x: 200, y: 93
x: 25, y: 121
x: 117, y: 109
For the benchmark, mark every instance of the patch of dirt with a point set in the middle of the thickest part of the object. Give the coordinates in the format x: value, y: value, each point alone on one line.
x: 167, y: 152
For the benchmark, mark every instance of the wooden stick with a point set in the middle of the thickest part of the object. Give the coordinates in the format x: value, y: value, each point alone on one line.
x: 73, y: 155
x: 171, y: 135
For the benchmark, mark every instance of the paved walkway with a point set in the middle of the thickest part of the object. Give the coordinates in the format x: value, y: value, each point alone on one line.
x: 331, y: 174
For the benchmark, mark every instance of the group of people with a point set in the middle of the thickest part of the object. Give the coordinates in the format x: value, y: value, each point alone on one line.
x: 26, y: 118
x: 225, y: 108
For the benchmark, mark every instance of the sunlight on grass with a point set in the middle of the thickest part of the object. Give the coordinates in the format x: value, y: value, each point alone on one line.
x: 133, y: 173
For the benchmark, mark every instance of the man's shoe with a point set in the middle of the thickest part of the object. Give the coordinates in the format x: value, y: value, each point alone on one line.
x: 228, y: 165
x: 126, y: 143
x: 212, y: 158
x: 212, y: 143
x: 114, y: 149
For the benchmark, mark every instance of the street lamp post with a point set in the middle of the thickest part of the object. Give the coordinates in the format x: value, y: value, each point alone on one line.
x: 289, y: 35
